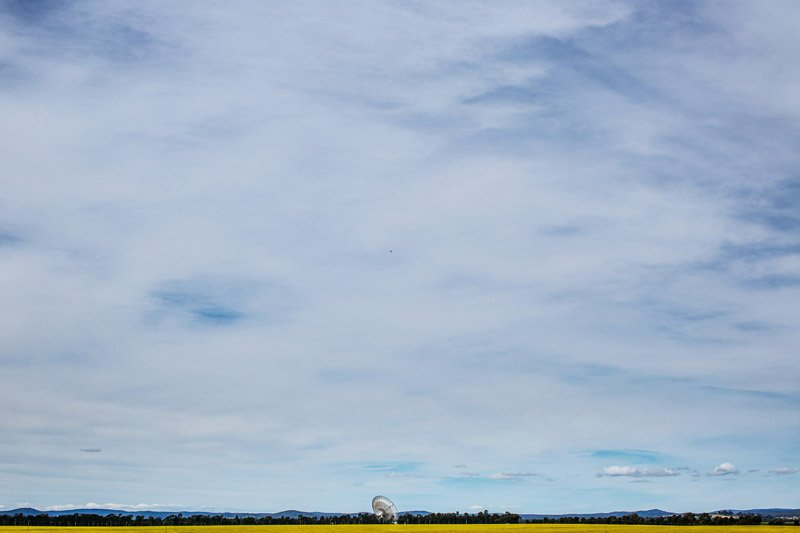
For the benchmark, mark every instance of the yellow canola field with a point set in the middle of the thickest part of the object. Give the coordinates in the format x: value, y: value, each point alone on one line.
x: 412, y: 528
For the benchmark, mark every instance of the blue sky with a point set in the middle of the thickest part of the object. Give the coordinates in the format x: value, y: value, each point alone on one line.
x: 525, y: 256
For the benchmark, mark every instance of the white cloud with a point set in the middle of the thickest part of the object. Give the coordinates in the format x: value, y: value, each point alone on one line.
x: 61, y: 507
x: 118, y: 506
x: 638, y: 472
x: 725, y: 469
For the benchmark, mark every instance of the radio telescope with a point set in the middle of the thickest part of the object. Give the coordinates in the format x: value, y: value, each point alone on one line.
x: 384, y: 509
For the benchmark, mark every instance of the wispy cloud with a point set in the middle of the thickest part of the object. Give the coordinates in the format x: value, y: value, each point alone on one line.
x: 592, y: 212
x: 399, y: 466
x: 404, y: 475
x: 480, y: 478
x: 513, y: 475
x: 641, y: 456
x: 783, y: 471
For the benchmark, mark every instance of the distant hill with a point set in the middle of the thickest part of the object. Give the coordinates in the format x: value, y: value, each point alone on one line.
x: 776, y: 512
x: 163, y: 514
x: 649, y: 513
x: 292, y: 513
x: 655, y: 513
x: 22, y: 510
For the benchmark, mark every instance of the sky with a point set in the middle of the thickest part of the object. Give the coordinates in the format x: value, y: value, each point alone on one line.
x: 538, y: 257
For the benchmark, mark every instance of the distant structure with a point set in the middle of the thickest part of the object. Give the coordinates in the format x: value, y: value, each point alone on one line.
x: 384, y: 509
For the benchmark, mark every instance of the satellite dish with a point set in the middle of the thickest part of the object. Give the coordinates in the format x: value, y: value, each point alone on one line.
x: 384, y: 509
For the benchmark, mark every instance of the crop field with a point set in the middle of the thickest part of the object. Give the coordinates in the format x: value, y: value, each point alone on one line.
x: 415, y: 528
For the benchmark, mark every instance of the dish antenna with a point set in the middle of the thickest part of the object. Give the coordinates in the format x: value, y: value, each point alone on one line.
x: 384, y: 509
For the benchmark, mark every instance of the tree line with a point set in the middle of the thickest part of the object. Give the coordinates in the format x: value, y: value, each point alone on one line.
x: 123, y: 520
x: 484, y: 517
x: 684, y: 519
